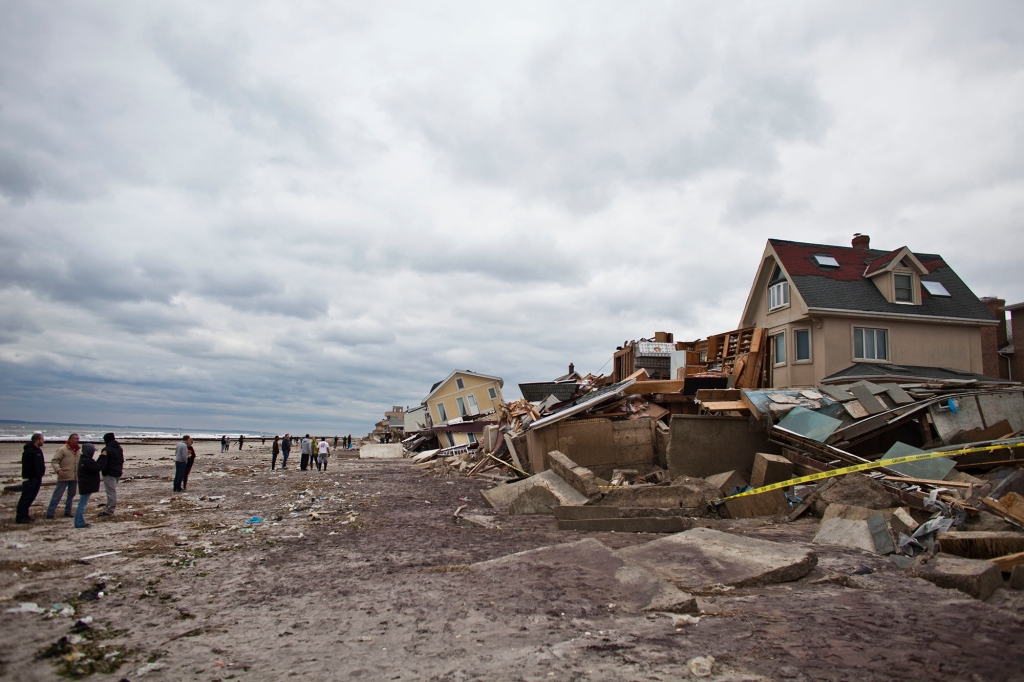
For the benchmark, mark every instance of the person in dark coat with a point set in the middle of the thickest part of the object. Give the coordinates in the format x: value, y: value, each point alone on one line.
x: 88, y: 480
x: 241, y: 441
x: 112, y: 472
x: 33, y: 468
x: 286, y: 449
x: 275, y: 450
x: 188, y: 464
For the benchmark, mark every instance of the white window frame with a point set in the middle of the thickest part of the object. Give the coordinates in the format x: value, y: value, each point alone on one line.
x: 472, y: 404
x: 472, y: 438
x: 441, y: 412
x: 492, y: 393
x: 461, y: 404
x: 912, y: 297
x: 797, y: 360
x: 774, y: 340
x: 874, y: 331
x: 460, y: 384
x: 451, y: 439
x: 778, y: 296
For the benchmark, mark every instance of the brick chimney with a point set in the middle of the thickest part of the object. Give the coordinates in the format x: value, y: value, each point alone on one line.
x: 572, y: 368
x: 861, y: 241
x: 992, y: 339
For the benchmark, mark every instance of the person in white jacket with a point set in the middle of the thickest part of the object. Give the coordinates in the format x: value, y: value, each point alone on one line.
x: 181, y: 462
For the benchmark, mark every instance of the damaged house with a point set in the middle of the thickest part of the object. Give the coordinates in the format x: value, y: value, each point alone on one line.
x: 457, y: 406
x: 828, y: 308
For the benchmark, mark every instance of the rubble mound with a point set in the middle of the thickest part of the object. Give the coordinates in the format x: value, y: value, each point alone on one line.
x: 857, y: 490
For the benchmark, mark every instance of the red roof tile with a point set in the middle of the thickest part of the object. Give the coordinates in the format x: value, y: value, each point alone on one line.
x: 798, y: 259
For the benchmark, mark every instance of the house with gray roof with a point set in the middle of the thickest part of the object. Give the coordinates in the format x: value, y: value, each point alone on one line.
x: 828, y: 308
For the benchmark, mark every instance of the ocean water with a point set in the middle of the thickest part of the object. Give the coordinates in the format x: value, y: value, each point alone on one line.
x: 21, y: 431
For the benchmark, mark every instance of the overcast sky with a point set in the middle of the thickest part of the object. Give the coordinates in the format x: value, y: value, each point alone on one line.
x: 295, y: 215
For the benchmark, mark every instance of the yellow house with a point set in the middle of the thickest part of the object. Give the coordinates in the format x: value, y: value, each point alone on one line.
x: 458, y: 406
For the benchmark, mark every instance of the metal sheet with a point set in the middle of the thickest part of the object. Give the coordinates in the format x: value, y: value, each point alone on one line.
x: 810, y: 424
x: 932, y: 469
x: 1000, y: 406
x: 948, y: 423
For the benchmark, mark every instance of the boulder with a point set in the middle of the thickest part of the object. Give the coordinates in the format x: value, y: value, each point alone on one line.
x: 971, y: 576
x: 701, y: 560
x: 501, y: 496
x: 857, y: 490
x: 1017, y: 578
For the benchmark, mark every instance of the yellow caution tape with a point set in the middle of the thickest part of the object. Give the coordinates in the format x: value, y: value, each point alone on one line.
x: 877, y: 464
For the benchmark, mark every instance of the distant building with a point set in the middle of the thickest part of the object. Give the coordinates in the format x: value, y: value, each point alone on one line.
x: 458, y: 406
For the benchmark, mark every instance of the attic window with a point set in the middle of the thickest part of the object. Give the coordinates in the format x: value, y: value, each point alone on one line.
x: 778, y: 290
x: 935, y: 288
x: 827, y: 261
x: 460, y: 384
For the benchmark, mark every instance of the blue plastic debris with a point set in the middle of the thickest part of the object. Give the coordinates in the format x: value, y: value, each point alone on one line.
x: 255, y: 519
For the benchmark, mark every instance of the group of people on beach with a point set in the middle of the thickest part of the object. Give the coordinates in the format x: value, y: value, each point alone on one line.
x: 312, y: 450
x: 77, y: 473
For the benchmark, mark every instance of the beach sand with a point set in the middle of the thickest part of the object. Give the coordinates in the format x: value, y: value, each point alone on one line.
x: 361, y: 573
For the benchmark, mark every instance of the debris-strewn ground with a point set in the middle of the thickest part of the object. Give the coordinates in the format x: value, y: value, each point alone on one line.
x: 379, y: 585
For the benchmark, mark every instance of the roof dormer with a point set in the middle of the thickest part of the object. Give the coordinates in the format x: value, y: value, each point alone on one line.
x: 897, y: 275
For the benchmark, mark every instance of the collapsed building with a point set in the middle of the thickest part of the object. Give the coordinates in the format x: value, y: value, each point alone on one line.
x: 853, y: 390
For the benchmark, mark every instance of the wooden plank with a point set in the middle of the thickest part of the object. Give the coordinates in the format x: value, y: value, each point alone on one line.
x: 725, y: 405
x: 1004, y: 510
x: 809, y: 500
x: 867, y: 399
x: 671, y: 386
x: 718, y: 394
x: 1006, y: 563
x: 980, y: 544
x: 929, y: 481
x: 512, y: 451
x: 855, y: 409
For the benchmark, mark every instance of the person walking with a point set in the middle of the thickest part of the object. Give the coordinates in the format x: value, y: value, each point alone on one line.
x: 275, y: 448
x: 286, y: 449
x: 241, y: 441
x: 323, y: 452
x: 181, y: 461
x: 112, y: 472
x: 335, y: 442
x: 314, y: 448
x: 188, y: 465
x: 65, y: 465
x: 33, y: 468
x: 88, y: 480
x: 304, y: 448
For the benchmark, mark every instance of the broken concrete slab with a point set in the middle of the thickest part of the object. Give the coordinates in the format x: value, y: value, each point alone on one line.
x: 768, y: 503
x: 726, y: 482
x: 649, y: 524
x: 1017, y: 578
x: 591, y: 511
x: 534, y: 500
x: 701, y: 559
x: 580, y: 478
x: 685, y: 496
x: 704, y: 445
x: 857, y: 490
x: 604, y: 572
x: 542, y: 493
x: 980, y: 544
x: 501, y: 496
x: 382, y: 451
x: 856, y: 528
x: 971, y: 576
x: 769, y: 469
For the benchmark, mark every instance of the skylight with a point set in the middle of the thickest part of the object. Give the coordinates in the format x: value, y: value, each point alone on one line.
x: 935, y: 288
x: 827, y: 261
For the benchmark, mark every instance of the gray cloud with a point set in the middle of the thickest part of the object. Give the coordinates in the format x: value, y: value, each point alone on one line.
x: 228, y: 216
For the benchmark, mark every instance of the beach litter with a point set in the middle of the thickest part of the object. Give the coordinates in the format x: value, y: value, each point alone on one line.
x: 255, y: 519
x: 701, y: 666
x: 26, y: 607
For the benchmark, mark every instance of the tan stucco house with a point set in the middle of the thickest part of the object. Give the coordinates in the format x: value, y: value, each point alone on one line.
x: 860, y: 311
x: 458, y: 406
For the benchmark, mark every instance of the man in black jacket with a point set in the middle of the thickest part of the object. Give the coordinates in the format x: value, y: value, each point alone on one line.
x: 113, y: 471
x: 88, y: 480
x: 33, y: 468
